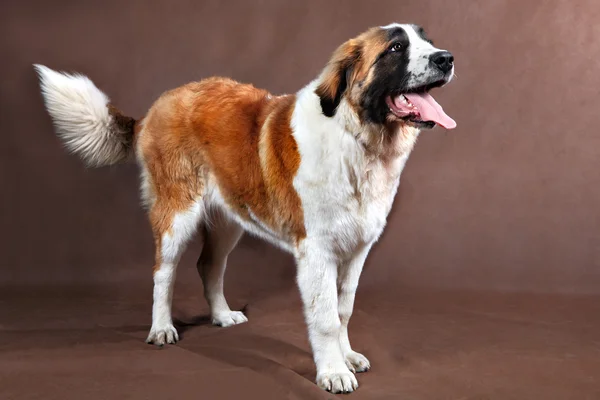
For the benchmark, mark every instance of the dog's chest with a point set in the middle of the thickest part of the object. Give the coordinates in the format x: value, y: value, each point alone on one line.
x: 373, y: 188
x: 347, y: 199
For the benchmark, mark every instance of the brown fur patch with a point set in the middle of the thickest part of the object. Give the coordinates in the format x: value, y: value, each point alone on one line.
x: 218, y: 128
x: 280, y: 161
x: 124, y: 123
x: 343, y: 58
x: 350, y: 64
x: 374, y: 42
x: 232, y: 120
x: 173, y: 164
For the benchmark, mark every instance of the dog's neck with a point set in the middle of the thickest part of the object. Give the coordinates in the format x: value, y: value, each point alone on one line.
x: 388, y: 141
x: 385, y: 143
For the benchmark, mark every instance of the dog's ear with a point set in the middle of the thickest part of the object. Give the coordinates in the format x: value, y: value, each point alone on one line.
x: 337, y: 75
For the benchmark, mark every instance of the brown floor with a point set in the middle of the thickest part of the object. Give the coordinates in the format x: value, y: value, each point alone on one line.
x: 88, y: 343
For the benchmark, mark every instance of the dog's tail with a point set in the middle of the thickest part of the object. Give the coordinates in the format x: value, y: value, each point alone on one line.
x: 88, y: 124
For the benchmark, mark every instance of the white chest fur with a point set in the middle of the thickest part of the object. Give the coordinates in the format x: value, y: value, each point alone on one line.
x: 346, y: 192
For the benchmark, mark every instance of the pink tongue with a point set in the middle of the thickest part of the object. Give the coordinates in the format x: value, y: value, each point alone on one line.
x: 430, y: 110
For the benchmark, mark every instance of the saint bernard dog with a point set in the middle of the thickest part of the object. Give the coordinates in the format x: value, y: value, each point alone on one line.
x: 314, y: 172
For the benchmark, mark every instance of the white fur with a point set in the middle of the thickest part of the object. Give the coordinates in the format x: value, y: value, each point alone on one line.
x: 347, y: 182
x: 80, y: 114
x: 183, y: 227
x: 222, y: 238
x: 347, y: 284
x: 346, y: 195
x: 418, y: 56
x: 225, y: 234
x: 172, y: 246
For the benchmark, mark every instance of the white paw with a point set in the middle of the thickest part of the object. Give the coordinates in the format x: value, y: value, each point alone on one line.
x: 337, y: 381
x: 229, y: 318
x: 163, y: 334
x: 356, y: 362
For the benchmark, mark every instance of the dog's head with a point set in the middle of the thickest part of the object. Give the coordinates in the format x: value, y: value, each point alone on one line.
x: 385, y: 75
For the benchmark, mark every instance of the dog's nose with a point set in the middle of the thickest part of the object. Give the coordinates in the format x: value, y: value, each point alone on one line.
x: 442, y: 60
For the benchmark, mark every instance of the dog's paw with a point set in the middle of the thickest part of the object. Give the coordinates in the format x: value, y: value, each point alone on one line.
x: 341, y: 380
x: 163, y: 334
x: 229, y: 318
x: 356, y: 362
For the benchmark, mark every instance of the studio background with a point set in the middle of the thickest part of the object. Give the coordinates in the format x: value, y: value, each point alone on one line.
x: 506, y: 203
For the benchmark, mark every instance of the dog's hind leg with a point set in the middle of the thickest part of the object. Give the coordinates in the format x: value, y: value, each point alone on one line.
x: 172, y: 230
x: 221, y: 234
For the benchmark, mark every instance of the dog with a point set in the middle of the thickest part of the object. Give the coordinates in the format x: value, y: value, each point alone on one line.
x: 314, y: 172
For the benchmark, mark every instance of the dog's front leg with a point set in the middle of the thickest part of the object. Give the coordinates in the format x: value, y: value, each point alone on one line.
x: 348, y: 276
x: 317, y: 281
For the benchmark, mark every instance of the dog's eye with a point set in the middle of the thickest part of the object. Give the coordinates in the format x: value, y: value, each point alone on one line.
x: 397, y: 47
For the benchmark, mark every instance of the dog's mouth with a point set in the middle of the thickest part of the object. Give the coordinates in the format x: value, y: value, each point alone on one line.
x: 419, y: 108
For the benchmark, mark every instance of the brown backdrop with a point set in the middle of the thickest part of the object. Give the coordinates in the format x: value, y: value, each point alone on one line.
x: 506, y: 202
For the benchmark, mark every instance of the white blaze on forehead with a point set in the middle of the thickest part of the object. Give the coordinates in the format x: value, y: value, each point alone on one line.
x: 419, y: 51
x: 413, y: 36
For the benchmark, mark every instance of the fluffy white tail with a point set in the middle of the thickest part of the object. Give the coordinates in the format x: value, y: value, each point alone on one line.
x: 84, y: 118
